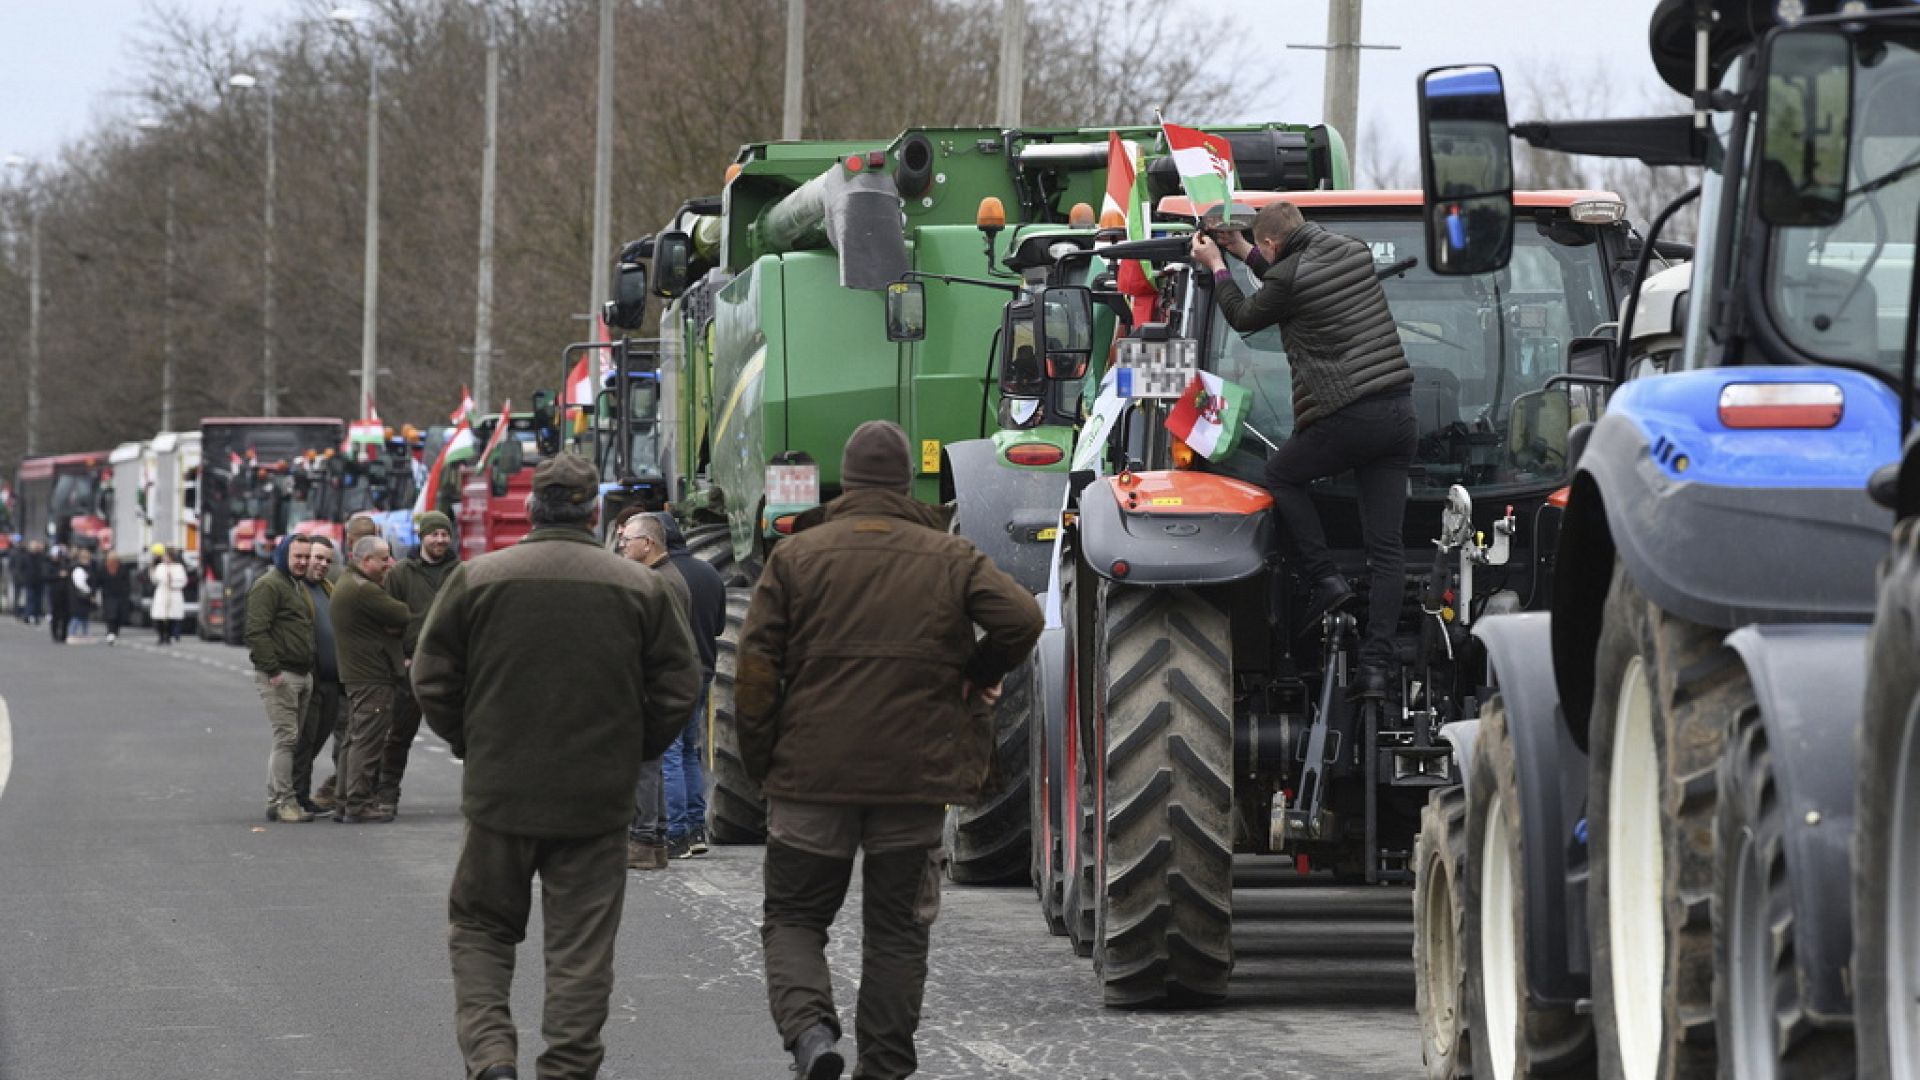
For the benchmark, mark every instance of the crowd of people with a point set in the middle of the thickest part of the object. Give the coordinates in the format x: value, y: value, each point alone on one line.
x: 65, y: 586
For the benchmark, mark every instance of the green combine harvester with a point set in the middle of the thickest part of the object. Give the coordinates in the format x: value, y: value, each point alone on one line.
x: 800, y: 305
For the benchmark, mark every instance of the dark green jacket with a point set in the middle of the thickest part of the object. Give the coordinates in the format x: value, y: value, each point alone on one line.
x: 415, y: 583
x: 554, y: 668
x: 279, y: 625
x: 367, y: 624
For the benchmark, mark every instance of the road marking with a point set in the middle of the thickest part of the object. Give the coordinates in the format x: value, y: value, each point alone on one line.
x: 6, y: 746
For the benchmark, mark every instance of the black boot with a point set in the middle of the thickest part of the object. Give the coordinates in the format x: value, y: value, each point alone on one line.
x: 1369, y: 683
x: 1330, y: 594
x: 500, y: 1072
x: 815, y: 1057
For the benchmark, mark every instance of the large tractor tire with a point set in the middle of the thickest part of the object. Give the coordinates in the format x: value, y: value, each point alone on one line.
x: 713, y: 544
x: 1164, y: 724
x: 1665, y: 692
x: 1439, y: 932
x: 1759, y: 1009
x: 736, y: 807
x: 1886, y: 845
x: 1511, y: 1035
x: 1044, y: 847
x: 1078, y: 885
x: 988, y: 843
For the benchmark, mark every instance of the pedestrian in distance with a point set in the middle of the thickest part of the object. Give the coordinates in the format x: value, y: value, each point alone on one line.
x: 115, y: 585
x: 414, y: 583
x: 280, y: 616
x: 367, y: 626
x: 864, y: 707
x: 641, y: 539
x: 169, y: 577
x: 684, y: 766
x: 59, y: 593
x: 322, y: 718
x: 23, y: 570
x: 38, y: 570
x: 553, y: 668
x: 80, y: 579
x: 1352, y: 407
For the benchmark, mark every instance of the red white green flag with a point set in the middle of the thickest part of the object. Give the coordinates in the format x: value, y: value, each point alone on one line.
x: 1206, y: 166
x: 1208, y: 416
x: 1125, y: 202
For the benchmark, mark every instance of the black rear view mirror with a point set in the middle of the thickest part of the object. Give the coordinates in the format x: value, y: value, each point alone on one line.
x: 1466, y: 169
x: 1807, y: 126
x: 1066, y: 326
x: 1021, y: 374
x: 1592, y: 357
x: 906, y: 311
x: 672, y: 264
x: 628, y: 308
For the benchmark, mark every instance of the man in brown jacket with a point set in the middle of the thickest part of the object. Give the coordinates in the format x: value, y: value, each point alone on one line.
x: 863, y: 704
x: 367, y: 625
x: 553, y: 668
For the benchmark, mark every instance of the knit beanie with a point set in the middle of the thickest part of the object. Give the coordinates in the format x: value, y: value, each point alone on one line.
x: 877, y: 457
x: 430, y: 522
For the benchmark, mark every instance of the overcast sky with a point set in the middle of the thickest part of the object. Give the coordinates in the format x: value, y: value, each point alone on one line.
x: 61, y: 61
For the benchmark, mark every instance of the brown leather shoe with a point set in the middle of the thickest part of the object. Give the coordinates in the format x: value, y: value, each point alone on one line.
x: 646, y: 856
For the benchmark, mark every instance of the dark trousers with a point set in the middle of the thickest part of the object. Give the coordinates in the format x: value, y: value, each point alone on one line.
x: 60, y: 610
x: 321, y: 722
x: 583, y: 886
x: 393, y: 759
x: 369, y: 714
x: 1376, y: 438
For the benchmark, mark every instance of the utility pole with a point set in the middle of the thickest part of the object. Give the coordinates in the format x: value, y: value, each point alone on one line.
x: 370, y: 315
x: 483, y: 308
x: 1341, y: 104
x: 269, y: 374
x: 1013, y: 61
x: 33, y: 327
x: 166, y: 321
x: 602, y: 163
x: 796, y: 69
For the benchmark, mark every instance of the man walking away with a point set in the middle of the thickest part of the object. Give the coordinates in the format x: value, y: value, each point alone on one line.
x: 59, y: 594
x: 643, y: 541
x: 322, y: 717
x: 367, y: 624
x: 414, y: 583
x: 864, y: 703
x: 1352, y: 407
x: 280, y: 643
x: 553, y: 668
x: 684, y: 766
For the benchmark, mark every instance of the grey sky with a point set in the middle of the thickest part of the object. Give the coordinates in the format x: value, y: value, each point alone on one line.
x: 62, y: 60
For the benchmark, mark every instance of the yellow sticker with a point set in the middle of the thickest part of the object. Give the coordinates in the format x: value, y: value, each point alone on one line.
x: 1046, y: 534
x: 929, y: 455
x: 1167, y: 500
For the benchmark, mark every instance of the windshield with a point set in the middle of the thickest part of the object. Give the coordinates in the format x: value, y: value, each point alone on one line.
x: 1840, y: 292
x: 1476, y: 345
x: 73, y: 494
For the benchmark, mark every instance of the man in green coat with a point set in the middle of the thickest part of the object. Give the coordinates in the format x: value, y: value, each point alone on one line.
x: 553, y: 668
x: 280, y: 644
x: 414, y: 583
x: 367, y: 625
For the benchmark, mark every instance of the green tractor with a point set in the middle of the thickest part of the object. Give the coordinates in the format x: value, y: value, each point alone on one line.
x: 799, y: 309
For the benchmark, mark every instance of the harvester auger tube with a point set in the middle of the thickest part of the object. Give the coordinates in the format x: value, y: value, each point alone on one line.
x: 856, y: 214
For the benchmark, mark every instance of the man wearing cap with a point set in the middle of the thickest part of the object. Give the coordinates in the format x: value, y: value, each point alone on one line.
x: 554, y: 668
x: 415, y: 583
x: 864, y: 707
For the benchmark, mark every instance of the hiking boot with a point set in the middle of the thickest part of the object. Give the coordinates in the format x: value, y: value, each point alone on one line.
x: 1369, y: 683
x: 500, y: 1072
x: 815, y: 1057
x: 1330, y: 594
x: 324, y: 801
x: 697, y: 842
x: 372, y: 815
x: 646, y: 856
x: 289, y: 813
x: 312, y: 807
x: 678, y: 849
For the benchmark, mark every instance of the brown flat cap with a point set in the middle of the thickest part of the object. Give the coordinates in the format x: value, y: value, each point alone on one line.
x: 566, y: 476
x: 877, y: 456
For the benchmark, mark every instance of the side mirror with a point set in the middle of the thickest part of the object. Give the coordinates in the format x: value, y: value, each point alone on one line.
x: 510, y: 456
x: 1591, y: 357
x: 1807, y: 126
x: 628, y: 308
x: 906, y: 311
x: 1021, y: 373
x: 1066, y: 326
x: 672, y: 264
x: 1538, y: 429
x: 1466, y: 169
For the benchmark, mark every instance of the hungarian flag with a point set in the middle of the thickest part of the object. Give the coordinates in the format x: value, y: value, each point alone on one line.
x: 463, y: 414
x: 372, y: 414
x: 1124, y: 203
x: 1206, y: 166
x: 499, y: 433
x: 461, y: 439
x: 1208, y: 416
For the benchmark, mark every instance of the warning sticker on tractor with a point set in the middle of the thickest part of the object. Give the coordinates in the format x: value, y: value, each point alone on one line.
x: 1167, y: 500
x: 929, y: 455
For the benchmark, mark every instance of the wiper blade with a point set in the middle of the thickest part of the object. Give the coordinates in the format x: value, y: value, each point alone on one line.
x: 1892, y: 176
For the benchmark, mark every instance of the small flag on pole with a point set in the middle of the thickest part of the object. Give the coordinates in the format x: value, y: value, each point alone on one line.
x: 1123, y: 202
x: 463, y: 414
x: 1206, y: 168
x: 1208, y: 416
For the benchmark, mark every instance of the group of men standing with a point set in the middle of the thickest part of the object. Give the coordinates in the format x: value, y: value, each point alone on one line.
x: 318, y: 636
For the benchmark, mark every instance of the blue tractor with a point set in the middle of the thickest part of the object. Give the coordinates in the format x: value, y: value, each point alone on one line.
x: 1687, y: 840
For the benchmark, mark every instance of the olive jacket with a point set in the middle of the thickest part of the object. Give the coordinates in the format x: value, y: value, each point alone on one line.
x: 279, y: 624
x: 554, y: 668
x: 859, y: 637
x: 367, y: 624
x: 415, y: 582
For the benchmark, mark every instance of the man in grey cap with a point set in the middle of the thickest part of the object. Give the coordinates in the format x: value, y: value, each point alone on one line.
x: 553, y: 668
x: 864, y: 707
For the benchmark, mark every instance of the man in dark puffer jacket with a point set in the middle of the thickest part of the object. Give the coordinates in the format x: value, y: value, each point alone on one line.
x: 1352, y: 404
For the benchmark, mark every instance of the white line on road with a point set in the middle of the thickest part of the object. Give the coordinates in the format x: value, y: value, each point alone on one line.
x: 6, y: 746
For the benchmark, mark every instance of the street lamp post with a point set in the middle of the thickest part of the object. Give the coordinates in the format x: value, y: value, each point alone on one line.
x: 483, y: 309
x: 166, y: 300
x: 33, y: 303
x: 269, y: 374
x: 370, y: 314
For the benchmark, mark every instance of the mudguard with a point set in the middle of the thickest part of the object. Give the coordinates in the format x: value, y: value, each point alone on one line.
x: 1175, y: 528
x: 1010, y: 513
x: 1552, y: 775
x: 1050, y: 663
x: 1810, y: 682
x: 1461, y: 735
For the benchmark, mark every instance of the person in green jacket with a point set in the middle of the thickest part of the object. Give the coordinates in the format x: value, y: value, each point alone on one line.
x: 553, y: 668
x: 414, y: 582
x: 367, y: 628
x: 280, y: 644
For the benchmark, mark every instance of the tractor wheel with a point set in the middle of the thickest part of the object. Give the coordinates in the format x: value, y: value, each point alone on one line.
x: 1439, y: 933
x: 1043, y: 858
x: 1078, y: 887
x: 1163, y: 718
x: 1511, y: 1035
x: 988, y: 842
x: 234, y: 630
x: 1760, y: 1017
x: 736, y: 808
x: 1665, y: 692
x: 1886, y: 844
x: 713, y: 544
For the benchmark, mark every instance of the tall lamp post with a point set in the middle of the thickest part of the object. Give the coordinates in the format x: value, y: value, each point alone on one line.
x: 370, y: 315
x: 25, y: 166
x: 269, y: 374
x: 152, y: 124
x: 489, y: 160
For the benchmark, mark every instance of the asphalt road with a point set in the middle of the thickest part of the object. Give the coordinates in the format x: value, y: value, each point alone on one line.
x: 152, y: 925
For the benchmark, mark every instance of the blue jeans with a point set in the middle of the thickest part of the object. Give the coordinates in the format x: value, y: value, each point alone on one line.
x: 684, y: 769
